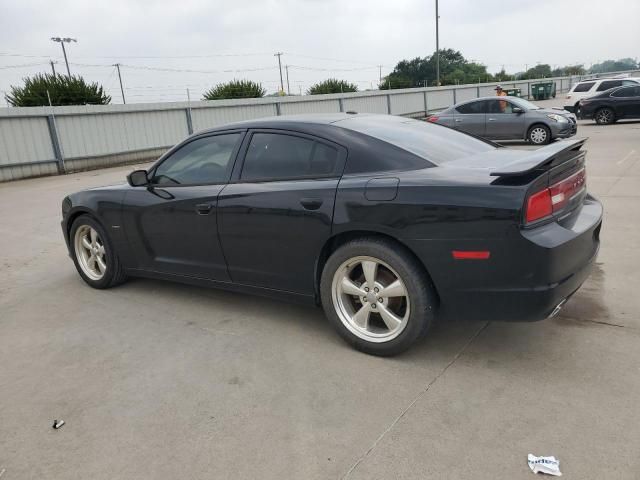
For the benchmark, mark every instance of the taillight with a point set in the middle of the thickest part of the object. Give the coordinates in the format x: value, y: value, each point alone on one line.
x: 432, y: 119
x: 553, y: 199
x: 539, y: 206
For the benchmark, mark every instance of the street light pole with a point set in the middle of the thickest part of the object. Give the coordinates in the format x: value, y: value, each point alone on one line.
x: 62, y: 41
x: 117, y: 65
x: 437, y: 48
x: 286, y: 67
x: 279, y: 54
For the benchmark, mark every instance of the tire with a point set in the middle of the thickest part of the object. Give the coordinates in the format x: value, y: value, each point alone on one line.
x: 604, y: 116
x: 360, y: 312
x: 539, y: 134
x: 94, y: 255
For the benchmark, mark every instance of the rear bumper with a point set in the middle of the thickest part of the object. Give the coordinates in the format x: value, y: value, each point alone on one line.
x: 527, y: 275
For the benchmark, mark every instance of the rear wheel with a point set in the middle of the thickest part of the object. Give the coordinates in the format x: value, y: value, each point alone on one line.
x: 604, y: 116
x: 376, y: 296
x: 539, y: 134
x: 94, y: 257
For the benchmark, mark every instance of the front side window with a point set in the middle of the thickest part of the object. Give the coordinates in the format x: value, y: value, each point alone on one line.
x: 472, y: 107
x: 275, y: 156
x: 584, y: 87
x: 206, y: 160
x: 607, y: 84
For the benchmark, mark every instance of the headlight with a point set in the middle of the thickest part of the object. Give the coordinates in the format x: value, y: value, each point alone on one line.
x: 557, y: 118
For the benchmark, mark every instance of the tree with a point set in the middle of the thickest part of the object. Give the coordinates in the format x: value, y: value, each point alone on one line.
x: 235, y: 89
x: 418, y: 72
x: 332, y: 85
x: 614, y: 66
x: 541, y: 70
x: 62, y: 89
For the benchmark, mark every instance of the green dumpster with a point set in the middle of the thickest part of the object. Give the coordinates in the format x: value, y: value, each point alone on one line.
x: 513, y: 92
x: 543, y: 90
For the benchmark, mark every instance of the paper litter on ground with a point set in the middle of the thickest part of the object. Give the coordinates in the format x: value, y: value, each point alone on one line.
x: 548, y: 465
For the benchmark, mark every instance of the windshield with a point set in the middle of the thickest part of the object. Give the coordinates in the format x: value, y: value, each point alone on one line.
x: 526, y: 104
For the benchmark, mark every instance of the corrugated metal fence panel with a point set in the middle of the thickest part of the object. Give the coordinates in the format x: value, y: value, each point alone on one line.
x: 372, y: 104
x: 213, y: 116
x: 439, y: 99
x: 487, y: 90
x: 16, y: 172
x: 109, y: 133
x: 25, y: 140
x: 464, y: 94
x: 313, y: 106
x: 407, y: 103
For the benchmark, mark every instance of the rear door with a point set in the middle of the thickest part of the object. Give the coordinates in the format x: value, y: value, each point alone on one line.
x: 626, y: 101
x: 502, y: 122
x: 471, y: 117
x: 277, y: 213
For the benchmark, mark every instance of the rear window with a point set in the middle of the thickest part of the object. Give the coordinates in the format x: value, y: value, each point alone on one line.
x: 584, y: 87
x: 435, y: 143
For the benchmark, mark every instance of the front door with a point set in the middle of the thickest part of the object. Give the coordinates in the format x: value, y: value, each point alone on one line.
x: 502, y: 123
x: 277, y: 213
x: 172, y: 223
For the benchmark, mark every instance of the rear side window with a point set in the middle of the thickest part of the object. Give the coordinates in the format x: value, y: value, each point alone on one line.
x: 275, y: 156
x: 472, y: 107
x: 607, y: 84
x: 627, y: 92
x: 584, y: 87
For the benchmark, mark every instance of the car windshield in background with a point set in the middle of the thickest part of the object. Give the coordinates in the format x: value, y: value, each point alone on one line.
x: 431, y: 142
x: 522, y: 103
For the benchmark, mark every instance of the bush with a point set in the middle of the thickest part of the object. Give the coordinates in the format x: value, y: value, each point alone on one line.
x: 63, y: 90
x: 332, y: 85
x: 235, y: 89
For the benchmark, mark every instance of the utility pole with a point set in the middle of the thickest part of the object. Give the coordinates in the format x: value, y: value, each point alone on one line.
x: 380, y: 74
x: 62, y: 41
x: 53, y: 68
x: 279, y: 54
x: 117, y: 65
x: 437, y: 48
x: 286, y: 67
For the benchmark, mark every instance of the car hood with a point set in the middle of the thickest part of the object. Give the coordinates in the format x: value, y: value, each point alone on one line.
x: 557, y: 111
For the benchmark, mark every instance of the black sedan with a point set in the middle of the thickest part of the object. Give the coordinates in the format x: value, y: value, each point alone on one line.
x: 612, y: 105
x: 387, y: 222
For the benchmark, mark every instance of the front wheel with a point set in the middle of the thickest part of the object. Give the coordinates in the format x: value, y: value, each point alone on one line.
x: 94, y: 257
x: 539, y: 135
x: 376, y: 296
x: 605, y: 116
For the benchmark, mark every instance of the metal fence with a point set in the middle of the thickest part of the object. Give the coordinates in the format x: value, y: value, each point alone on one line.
x: 36, y: 141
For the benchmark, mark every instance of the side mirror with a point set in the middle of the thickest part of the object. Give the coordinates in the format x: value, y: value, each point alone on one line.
x: 138, y: 178
x: 517, y: 110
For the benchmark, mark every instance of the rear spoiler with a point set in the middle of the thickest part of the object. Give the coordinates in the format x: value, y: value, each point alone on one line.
x: 540, y: 158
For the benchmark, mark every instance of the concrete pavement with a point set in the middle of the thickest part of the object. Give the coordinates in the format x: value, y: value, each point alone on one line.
x: 158, y: 380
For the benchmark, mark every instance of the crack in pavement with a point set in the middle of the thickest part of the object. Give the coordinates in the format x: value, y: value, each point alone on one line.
x: 415, y: 400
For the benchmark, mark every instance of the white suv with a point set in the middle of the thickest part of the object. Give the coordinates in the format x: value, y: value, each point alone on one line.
x: 586, y: 88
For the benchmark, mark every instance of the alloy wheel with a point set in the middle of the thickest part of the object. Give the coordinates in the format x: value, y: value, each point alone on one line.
x: 370, y: 299
x: 604, y: 116
x: 90, y: 252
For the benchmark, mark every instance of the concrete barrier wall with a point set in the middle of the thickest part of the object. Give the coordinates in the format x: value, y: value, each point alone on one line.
x: 37, y: 141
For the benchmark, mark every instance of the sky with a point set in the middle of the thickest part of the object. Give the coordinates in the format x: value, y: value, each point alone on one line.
x: 166, y: 47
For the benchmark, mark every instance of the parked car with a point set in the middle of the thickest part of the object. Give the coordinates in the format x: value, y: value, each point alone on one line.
x: 387, y: 222
x: 612, y: 105
x: 508, y: 118
x: 587, y: 88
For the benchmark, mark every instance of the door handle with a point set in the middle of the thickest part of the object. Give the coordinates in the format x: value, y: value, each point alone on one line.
x: 311, y: 203
x: 458, y: 120
x: 204, y: 208
x: 492, y: 119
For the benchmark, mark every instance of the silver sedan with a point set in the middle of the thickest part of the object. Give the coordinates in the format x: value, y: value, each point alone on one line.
x: 508, y: 118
